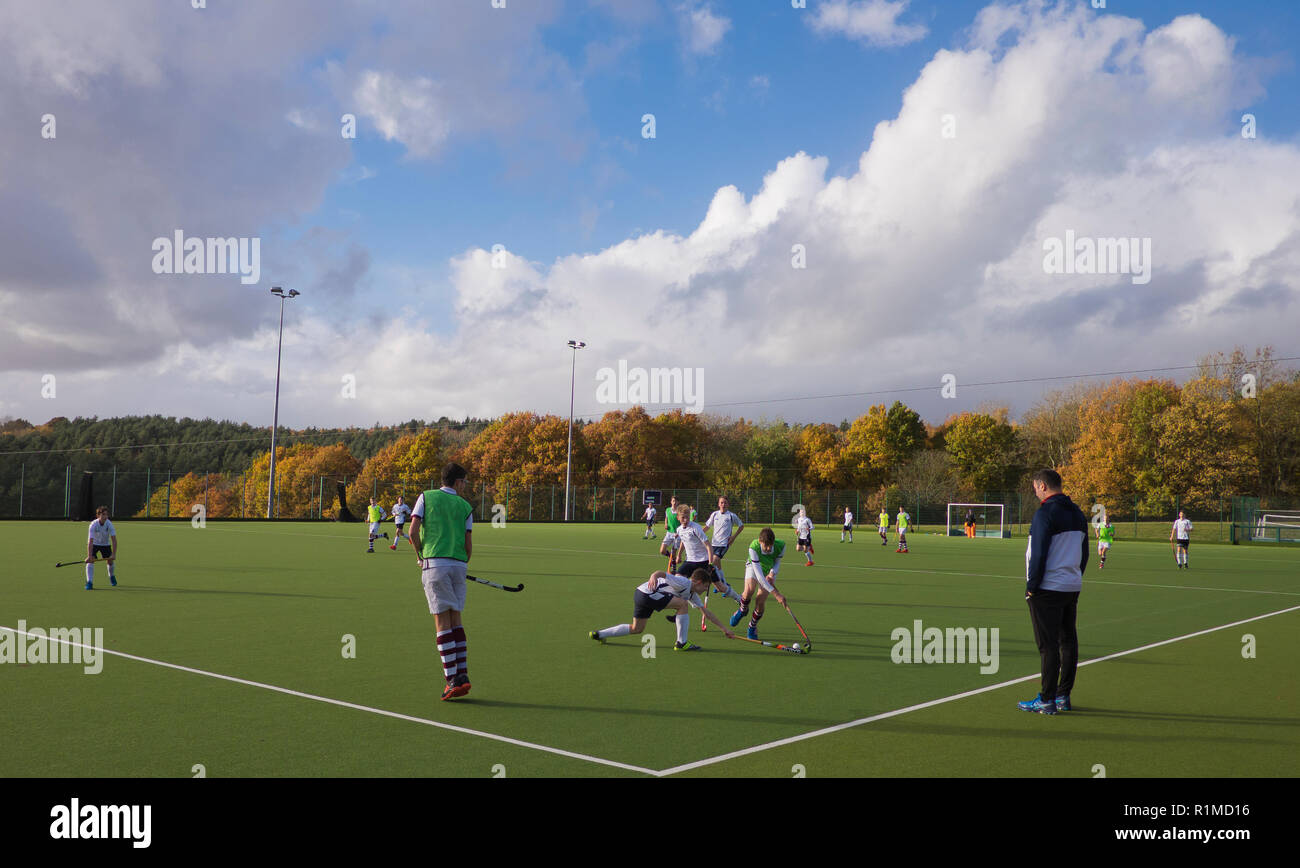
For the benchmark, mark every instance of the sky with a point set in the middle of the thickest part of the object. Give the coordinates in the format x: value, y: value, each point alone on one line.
x: 798, y: 212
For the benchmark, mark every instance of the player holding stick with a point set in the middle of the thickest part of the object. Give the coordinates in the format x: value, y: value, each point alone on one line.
x: 764, y: 563
x: 101, y: 541
x: 649, y: 517
x: 726, y: 527
x: 666, y: 591
x: 695, y: 553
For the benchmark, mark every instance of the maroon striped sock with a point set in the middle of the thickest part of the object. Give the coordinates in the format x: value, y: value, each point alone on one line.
x: 448, y: 651
x: 462, y: 655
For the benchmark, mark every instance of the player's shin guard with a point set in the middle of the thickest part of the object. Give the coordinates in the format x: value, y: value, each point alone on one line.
x: 614, y: 632
x: 754, y: 618
x: 683, y: 624
x: 90, y: 573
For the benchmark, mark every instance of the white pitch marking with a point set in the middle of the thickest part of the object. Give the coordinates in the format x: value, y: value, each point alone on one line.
x: 353, y: 705
x: 955, y: 696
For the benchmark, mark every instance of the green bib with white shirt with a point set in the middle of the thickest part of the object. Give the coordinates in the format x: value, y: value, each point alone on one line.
x: 442, y: 530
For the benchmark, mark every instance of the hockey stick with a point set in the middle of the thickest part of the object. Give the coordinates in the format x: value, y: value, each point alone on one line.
x: 802, y: 631
x: 82, y: 561
x: 495, y: 584
x: 775, y: 645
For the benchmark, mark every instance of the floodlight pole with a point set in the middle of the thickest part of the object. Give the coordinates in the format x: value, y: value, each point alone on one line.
x: 275, y: 421
x: 568, y: 463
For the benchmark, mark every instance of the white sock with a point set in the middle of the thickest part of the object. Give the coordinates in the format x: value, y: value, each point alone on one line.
x: 683, y: 623
x: 614, y: 632
x: 111, y: 571
x: 90, y: 572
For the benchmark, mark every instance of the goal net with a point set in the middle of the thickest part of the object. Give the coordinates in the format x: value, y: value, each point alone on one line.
x: 1277, y: 527
x: 988, y: 519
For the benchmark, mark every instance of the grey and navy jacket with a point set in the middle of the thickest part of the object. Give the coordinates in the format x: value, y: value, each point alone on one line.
x: 1058, y: 547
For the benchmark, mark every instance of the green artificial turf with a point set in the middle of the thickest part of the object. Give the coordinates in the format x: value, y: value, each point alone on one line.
x: 271, y: 603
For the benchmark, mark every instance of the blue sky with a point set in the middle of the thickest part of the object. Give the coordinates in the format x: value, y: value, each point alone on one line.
x: 776, y: 129
x: 772, y: 88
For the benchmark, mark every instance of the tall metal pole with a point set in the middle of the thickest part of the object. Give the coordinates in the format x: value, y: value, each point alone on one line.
x: 275, y: 419
x: 568, y: 463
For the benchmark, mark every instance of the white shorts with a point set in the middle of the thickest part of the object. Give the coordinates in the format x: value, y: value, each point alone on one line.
x: 756, y: 575
x: 670, y: 539
x: 444, y: 587
x: 374, y: 528
x: 1102, y: 546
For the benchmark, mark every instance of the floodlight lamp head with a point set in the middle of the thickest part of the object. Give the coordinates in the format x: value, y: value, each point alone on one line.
x: 293, y: 293
x: 577, y: 345
x: 276, y: 290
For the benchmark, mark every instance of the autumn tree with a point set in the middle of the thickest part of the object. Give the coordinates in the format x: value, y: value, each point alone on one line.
x: 983, y: 449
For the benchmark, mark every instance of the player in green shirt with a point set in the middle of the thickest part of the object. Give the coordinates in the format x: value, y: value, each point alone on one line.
x: 441, y: 524
x: 884, y: 527
x: 903, y: 521
x: 1105, y: 536
x: 376, y: 514
x: 764, y: 563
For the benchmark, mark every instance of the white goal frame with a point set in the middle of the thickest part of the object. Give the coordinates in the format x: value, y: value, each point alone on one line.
x: 961, y: 521
x: 1277, y: 522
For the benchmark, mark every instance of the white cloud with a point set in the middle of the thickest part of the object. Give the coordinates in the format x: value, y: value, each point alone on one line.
x: 872, y: 21
x: 926, y: 259
x: 702, y: 30
x: 409, y: 111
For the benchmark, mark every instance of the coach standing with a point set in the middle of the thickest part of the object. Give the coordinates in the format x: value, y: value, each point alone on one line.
x: 1054, y: 563
x: 440, y: 534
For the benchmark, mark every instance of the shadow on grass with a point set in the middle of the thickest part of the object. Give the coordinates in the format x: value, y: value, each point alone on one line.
x: 211, y: 591
x: 672, y: 713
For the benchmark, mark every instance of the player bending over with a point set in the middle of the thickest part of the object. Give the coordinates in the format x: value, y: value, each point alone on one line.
x: 884, y: 527
x: 666, y: 591
x: 903, y: 520
x: 804, y: 528
x: 376, y: 515
x: 764, y: 563
x: 102, y: 541
x: 649, y: 517
x: 848, y: 524
x: 1181, y: 536
x: 401, y: 512
x: 1105, y: 536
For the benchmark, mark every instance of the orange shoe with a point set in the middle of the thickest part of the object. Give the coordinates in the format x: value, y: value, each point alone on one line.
x: 459, y: 686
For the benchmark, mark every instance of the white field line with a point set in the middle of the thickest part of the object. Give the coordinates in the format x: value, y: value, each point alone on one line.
x: 461, y: 729
x: 828, y: 730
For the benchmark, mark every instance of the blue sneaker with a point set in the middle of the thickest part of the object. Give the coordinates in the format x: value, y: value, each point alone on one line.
x: 1037, y: 705
x: 112, y: 580
x: 735, y: 619
x: 89, y: 586
x: 1063, y: 703
x: 751, y: 633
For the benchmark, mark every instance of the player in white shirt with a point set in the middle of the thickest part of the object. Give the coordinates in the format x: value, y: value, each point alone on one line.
x: 803, y: 527
x: 666, y: 591
x: 695, y: 554
x: 1180, y: 536
x: 401, y: 512
x: 726, y: 526
x: 848, y: 525
x: 102, y: 540
x: 650, y: 513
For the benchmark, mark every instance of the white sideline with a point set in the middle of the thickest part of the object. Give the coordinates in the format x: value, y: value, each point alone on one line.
x: 352, y: 705
x: 830, y: 729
